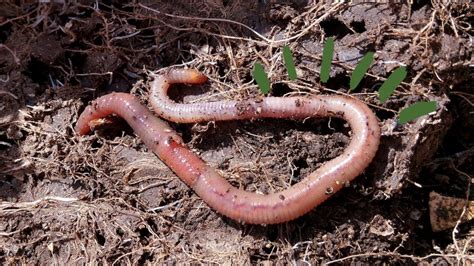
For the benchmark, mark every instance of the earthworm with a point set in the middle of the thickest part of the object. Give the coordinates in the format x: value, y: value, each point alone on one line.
x: 219, y: 194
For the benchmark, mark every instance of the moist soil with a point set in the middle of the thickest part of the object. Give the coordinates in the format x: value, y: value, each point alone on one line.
x: 105, y: 198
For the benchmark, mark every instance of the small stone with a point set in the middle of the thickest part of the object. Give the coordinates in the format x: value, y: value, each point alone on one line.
x: 415, y: 214
x: 51, y: 247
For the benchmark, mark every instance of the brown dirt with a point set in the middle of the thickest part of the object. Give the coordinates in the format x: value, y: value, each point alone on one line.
x: 105, y: 198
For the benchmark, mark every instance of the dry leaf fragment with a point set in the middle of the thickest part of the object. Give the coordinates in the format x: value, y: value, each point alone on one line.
x: 445, y: 211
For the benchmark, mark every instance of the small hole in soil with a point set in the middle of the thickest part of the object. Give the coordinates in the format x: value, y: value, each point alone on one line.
x: 9, y: 178
x: 418, y: 4
x: 384, y: 115
x: 272, y: 233
x: 78, y: 183
x: 334, y: 27
x: 185, y: 132
x: 108, y: 5
x: 280, y: 89
x: 146, y: 256
x: 340, y: 81
x: 299, y: 164
x: 369, y: 48
x: 4, y: 147
x: 120, y: 84
x: 144, y: 233
x: 132, y: 202
x: 119, y: 231
x: 96, y: 144
x: 97, y: 40
x: 268, y: 248
x: 37, y: 71
x: 40, y: 176
x: 358, y: 26
x: 27, y: 231
x: 77, y: 59
x: 5, y: 31
x: 152, y: 224
x: 221, y: 70
x: 100, y: 238
x: 246, y: 77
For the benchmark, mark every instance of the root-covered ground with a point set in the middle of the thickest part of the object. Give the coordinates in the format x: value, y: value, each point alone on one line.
x: 104, y: 197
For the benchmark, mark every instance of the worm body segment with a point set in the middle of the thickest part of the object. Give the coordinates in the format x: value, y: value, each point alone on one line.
x: 219, y: 194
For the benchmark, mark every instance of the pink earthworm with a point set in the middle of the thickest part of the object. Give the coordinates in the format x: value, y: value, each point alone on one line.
x: 219, y: 194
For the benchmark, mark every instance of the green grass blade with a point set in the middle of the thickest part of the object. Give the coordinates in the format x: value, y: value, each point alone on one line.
x: 328, y: 53
x: 392, y: 83
x: 261, y: 78
x: 290, y: 65
x: 416, y: 110
x: 360, y: 70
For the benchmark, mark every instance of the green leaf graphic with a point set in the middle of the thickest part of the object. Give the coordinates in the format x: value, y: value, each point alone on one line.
x: 416, y: 110
x: 361, y: 69
x: 392, y: 83
x: 328, y: 52
x: 290, y: 65
x: 261, y: 78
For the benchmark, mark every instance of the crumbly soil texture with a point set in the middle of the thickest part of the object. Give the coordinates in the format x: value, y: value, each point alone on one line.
x: 105, y: 198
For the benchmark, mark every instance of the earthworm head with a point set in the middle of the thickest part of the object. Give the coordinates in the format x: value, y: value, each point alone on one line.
x: 187, y: 76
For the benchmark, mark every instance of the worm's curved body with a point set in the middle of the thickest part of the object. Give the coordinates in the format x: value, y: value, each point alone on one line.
x: 206, y: 182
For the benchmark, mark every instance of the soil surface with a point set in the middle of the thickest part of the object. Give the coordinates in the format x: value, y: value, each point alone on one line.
x: 105, y: 198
